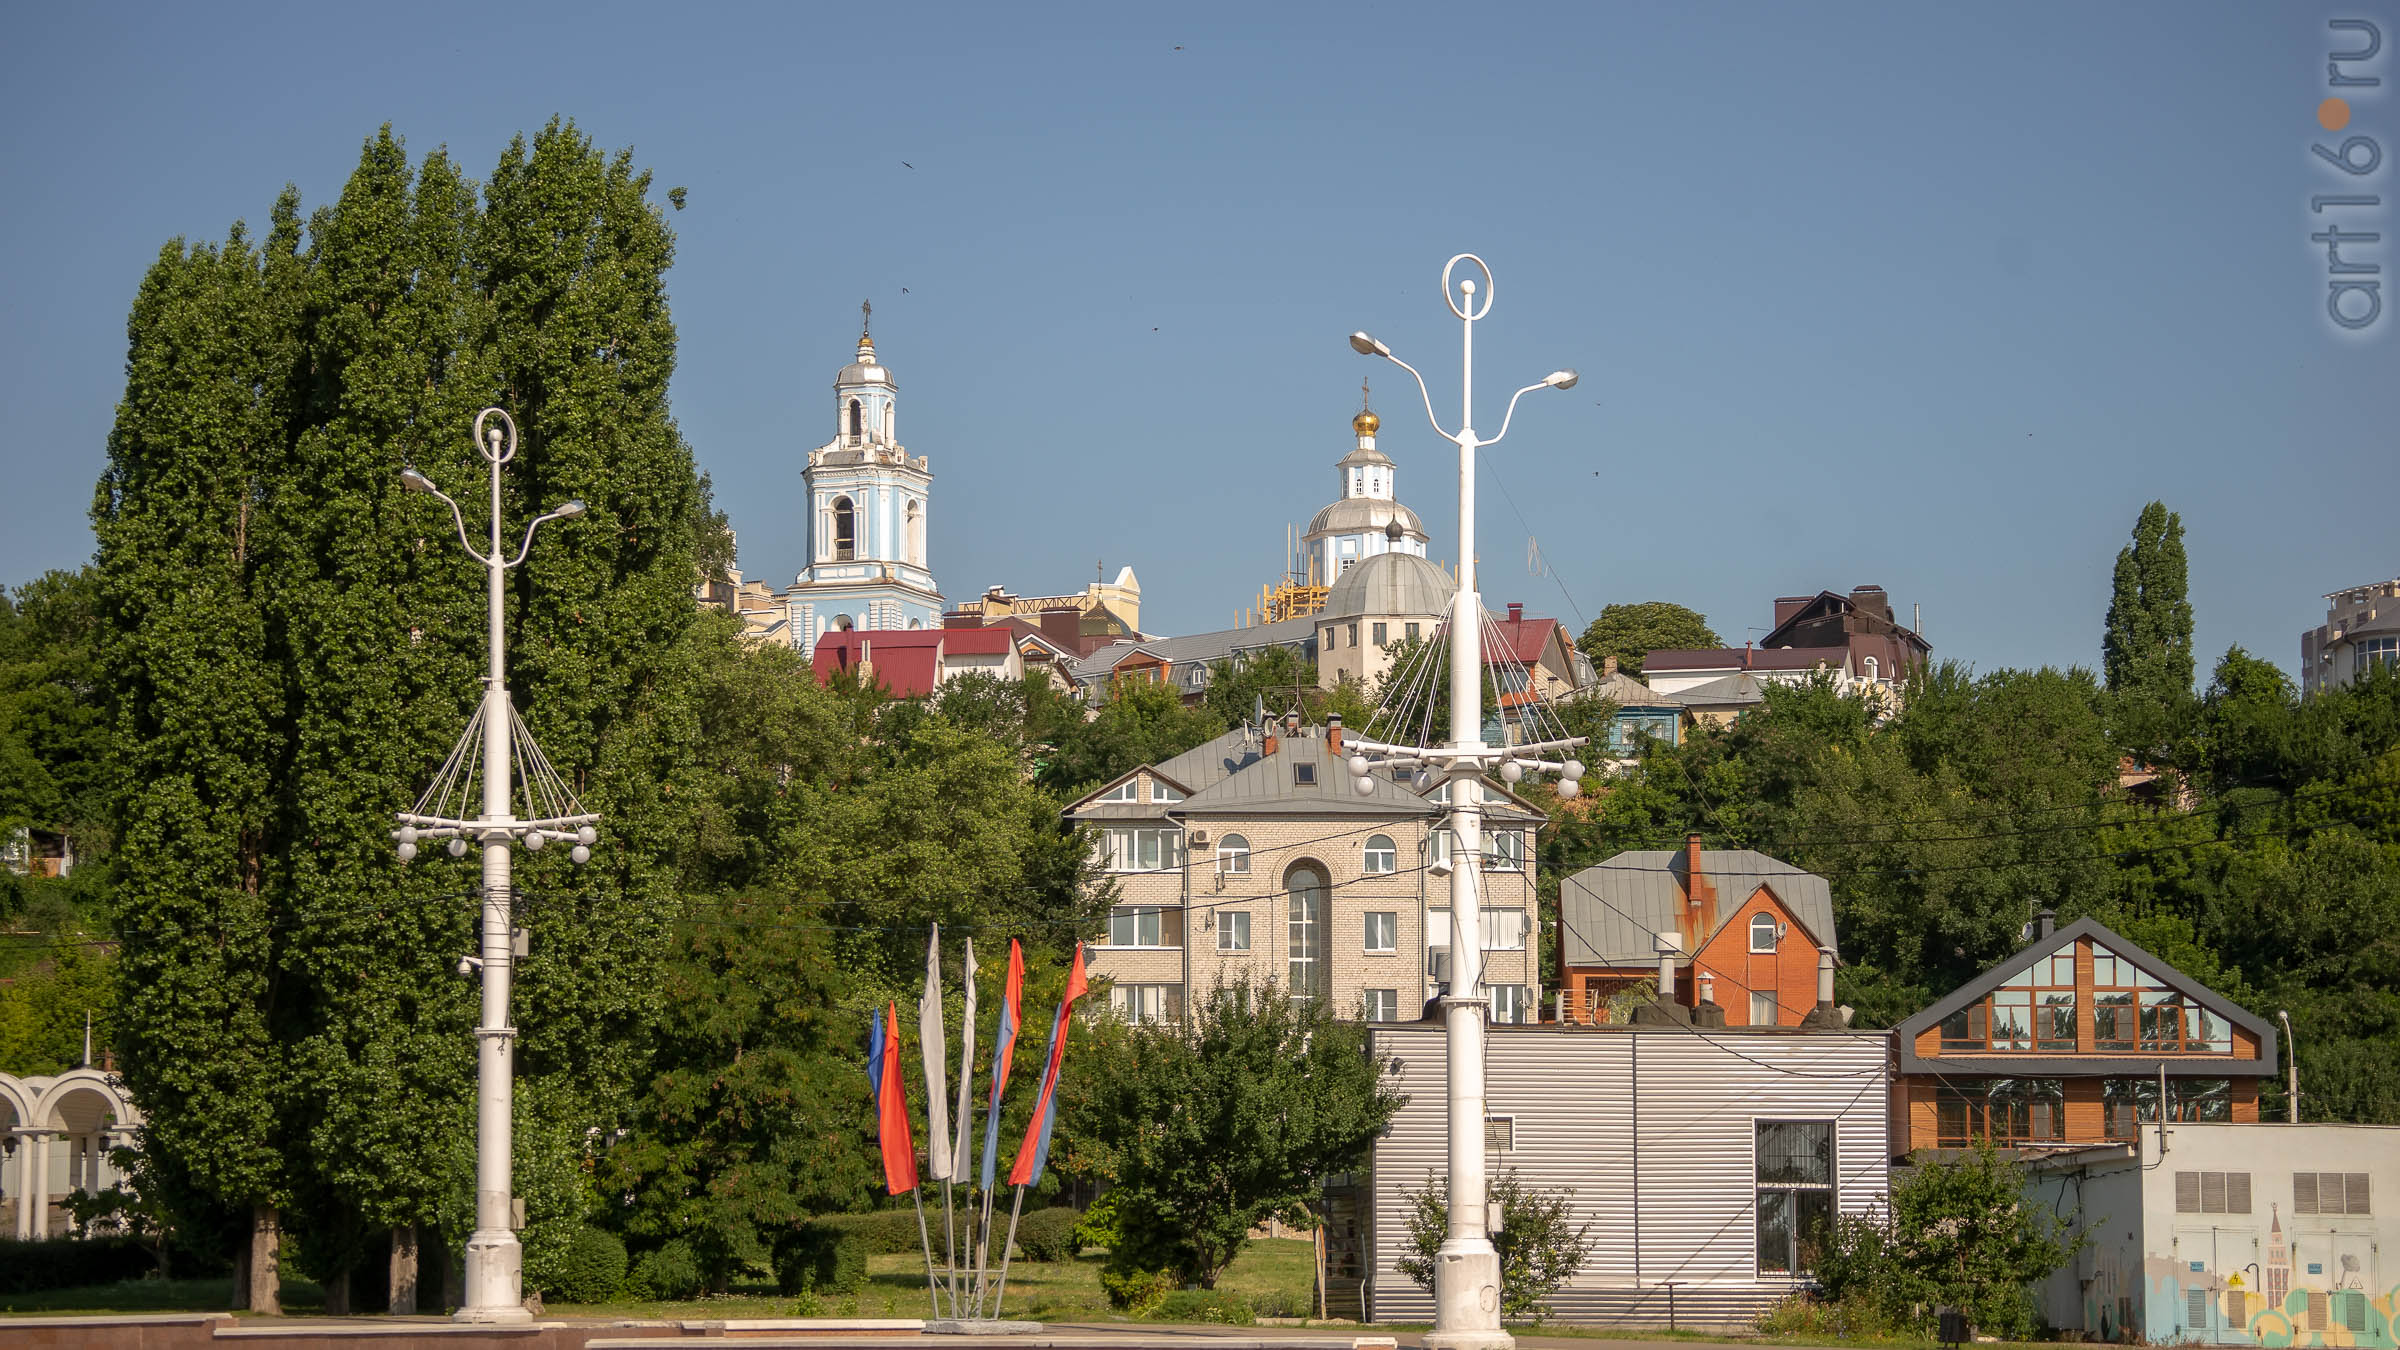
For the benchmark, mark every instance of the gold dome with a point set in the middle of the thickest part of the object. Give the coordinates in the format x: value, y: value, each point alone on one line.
x: 1365, y: 423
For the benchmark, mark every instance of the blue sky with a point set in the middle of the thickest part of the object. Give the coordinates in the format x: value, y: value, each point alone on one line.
x: 1930, y: 297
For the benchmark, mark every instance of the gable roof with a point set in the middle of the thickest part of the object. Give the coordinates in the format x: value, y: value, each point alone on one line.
x: 1231, y: 775
x: 1609, y: 912
x: 1626, y: 692
x: 2057, y: 1064
x: 1742, y: 687
x: 1744, y: 658
x: 905, y: 661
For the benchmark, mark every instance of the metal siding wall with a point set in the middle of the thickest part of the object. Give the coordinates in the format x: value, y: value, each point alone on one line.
x: 1573, y: 1096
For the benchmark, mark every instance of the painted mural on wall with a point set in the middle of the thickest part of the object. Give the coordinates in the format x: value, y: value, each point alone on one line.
x: 2224, y: 1282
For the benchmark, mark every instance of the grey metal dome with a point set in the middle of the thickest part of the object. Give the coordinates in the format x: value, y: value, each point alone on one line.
x: 1364, y: 515
x: 1391, y: 583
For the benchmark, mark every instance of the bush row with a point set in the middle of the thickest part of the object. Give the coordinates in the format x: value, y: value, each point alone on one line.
x: 28, y: 1266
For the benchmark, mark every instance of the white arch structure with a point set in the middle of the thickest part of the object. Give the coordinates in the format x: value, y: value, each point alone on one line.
x: 55, y: 1136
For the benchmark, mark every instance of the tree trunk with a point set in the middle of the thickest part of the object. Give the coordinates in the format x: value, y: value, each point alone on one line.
x: 337, y: 1294
x: 263, y: 1276
x: 404, y: 1269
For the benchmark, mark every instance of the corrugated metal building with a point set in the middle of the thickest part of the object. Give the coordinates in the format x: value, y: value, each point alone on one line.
x: 1673, y: 1139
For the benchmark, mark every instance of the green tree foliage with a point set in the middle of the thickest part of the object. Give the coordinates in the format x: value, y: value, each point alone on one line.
x: 1540, y: 1246
x: 293, y: 645
x: 2146, y: 650
x: 1278, y: 678
x: 1631, y: 632
x: 53, y: 712
x: 1218, y: 1122
x: 1138, y: 722
x: 1957, y: 1233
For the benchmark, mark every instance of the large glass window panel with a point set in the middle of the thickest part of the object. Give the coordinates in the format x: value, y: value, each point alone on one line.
x: 2057, y: 1026
x: 1306, y: 933
x: 2012, y: 1019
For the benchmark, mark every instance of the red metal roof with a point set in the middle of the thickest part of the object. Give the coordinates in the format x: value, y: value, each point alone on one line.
x: 1526, y: 641
x: 905, y: 661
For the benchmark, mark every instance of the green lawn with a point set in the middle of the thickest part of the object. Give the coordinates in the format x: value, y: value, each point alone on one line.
x: 1280, y: 1270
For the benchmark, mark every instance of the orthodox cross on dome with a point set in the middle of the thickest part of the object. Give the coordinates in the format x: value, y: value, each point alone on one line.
x: 1363, y: 404
x: 866, y: 319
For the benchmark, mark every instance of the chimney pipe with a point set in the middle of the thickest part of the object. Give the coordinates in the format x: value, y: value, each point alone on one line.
x: 1516, y: 612
x: 1333, y: 736
x: 1824, y: 977
x: 1667, y: 945
x: 2044, y: 919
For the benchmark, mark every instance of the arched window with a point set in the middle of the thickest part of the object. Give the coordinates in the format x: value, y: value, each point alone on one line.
x: 1233, y: 855
x: 1871, y: 667
x: 843, y: 623
x: 857, y: 420
x: 845, y: 525
x: 916, y: 533
x: 1381, y: 855
x: 1307, y: 931
x: 1762, y: 932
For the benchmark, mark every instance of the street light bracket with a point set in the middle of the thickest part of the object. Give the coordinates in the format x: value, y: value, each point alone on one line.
x: 489, y: 440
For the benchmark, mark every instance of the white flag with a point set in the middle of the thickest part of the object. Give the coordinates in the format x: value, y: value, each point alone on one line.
x: 937, y: 1061
x: 962, y: 1156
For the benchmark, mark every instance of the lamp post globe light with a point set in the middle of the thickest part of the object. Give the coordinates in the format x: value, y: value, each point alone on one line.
x: 495, y: 749
x: 1466, y: 1282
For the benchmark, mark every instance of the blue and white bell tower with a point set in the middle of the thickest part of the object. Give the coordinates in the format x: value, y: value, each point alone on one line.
x: 867, y: 505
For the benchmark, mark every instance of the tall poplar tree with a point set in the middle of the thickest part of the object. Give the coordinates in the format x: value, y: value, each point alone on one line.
x: 184, y: 547
x: 297, y: 643
x: 2146, y: 653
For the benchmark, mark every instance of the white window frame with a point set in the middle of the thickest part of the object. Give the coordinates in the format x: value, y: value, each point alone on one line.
x: 1233, y: 930
x: 1153, y: 917
x: 1506, y: 852
x: 1162, y: 792
x: 1126, y: 791
x: 1233, y: 856
x: 1763, y: 924
x: 1380, y: 1005
x: 1765, y: 1011
x: 1376, y: 861
x: 1495, y: 922
x: 1147, y: 1002
x: 1389, y: 922
x: 1126, y: 846
x: 1509, y: 1003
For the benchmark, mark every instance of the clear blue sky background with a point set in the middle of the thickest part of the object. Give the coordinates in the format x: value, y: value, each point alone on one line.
x: 1932, y: 297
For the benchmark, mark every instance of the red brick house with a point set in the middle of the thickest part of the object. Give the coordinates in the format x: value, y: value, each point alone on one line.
x: 1734, y: 929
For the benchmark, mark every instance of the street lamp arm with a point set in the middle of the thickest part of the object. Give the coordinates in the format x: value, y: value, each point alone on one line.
x: 459, y: 519
x: 1422, y: 393
x: 1507, y: 417
x: 537, y: 523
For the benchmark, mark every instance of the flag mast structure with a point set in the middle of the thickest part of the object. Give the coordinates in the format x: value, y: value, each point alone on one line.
x: 1466, y: 1266
x: 495, y: 1260
x: 1033, y: 1154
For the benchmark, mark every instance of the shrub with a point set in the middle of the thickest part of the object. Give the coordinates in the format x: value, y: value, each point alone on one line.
x: 1139, y: 1292
x: 1538, y: 1251
x: 819, y: 1257
x: 1098, y: 1226
x: 1049, y: 1235
x: 593, y: 1268
x: 885, y: 1230
x: 669, y: 1273
x: 1205, y: 1305
x: 28, y: 1266
x: 1957, y: 1233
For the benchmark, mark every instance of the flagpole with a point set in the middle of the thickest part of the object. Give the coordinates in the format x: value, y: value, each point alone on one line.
x: 1001, y: 1294
x: 949, y: 1246
x: 926, y: 1239
x: 983, y: 1253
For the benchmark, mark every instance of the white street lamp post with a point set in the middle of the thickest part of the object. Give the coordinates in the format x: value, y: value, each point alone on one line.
x: 495, y: 1260
x: 1466, y: 1267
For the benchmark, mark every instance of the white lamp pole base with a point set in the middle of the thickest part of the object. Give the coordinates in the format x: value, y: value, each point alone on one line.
x: 495, y: 1279
x: 1466, y: 1312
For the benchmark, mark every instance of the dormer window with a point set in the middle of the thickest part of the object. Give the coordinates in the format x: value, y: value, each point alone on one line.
x: 1762, y: 933
x: 1304, y: 775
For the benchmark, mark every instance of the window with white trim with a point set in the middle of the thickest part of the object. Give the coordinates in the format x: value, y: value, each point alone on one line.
x: 1145, y: 926
x: 1762, y: 933
x: 1510, y: 1003
x: 1506, y: 852
x: 1122, y: 792
x: 1162, y: 792
x: 1381, y: 1005
x: 1762, y: 1008
x: 1794, y: 1162
x: 1147, y: 1002
x: 1143, y: 848
x: 1382, y: 932
x: 1380, y: 855
x: 1503, y: 929
x: 1233, y: 856
x: 1233, y: 930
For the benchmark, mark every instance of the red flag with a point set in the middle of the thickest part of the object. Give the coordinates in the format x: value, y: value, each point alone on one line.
x: 891, y: 1112
x: 1034, y: 1153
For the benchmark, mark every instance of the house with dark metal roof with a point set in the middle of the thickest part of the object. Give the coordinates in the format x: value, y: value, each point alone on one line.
x: 1727, y: 937
x: 2067, y: 1043
x: 1854, y: 638
x: 1253, y: 858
